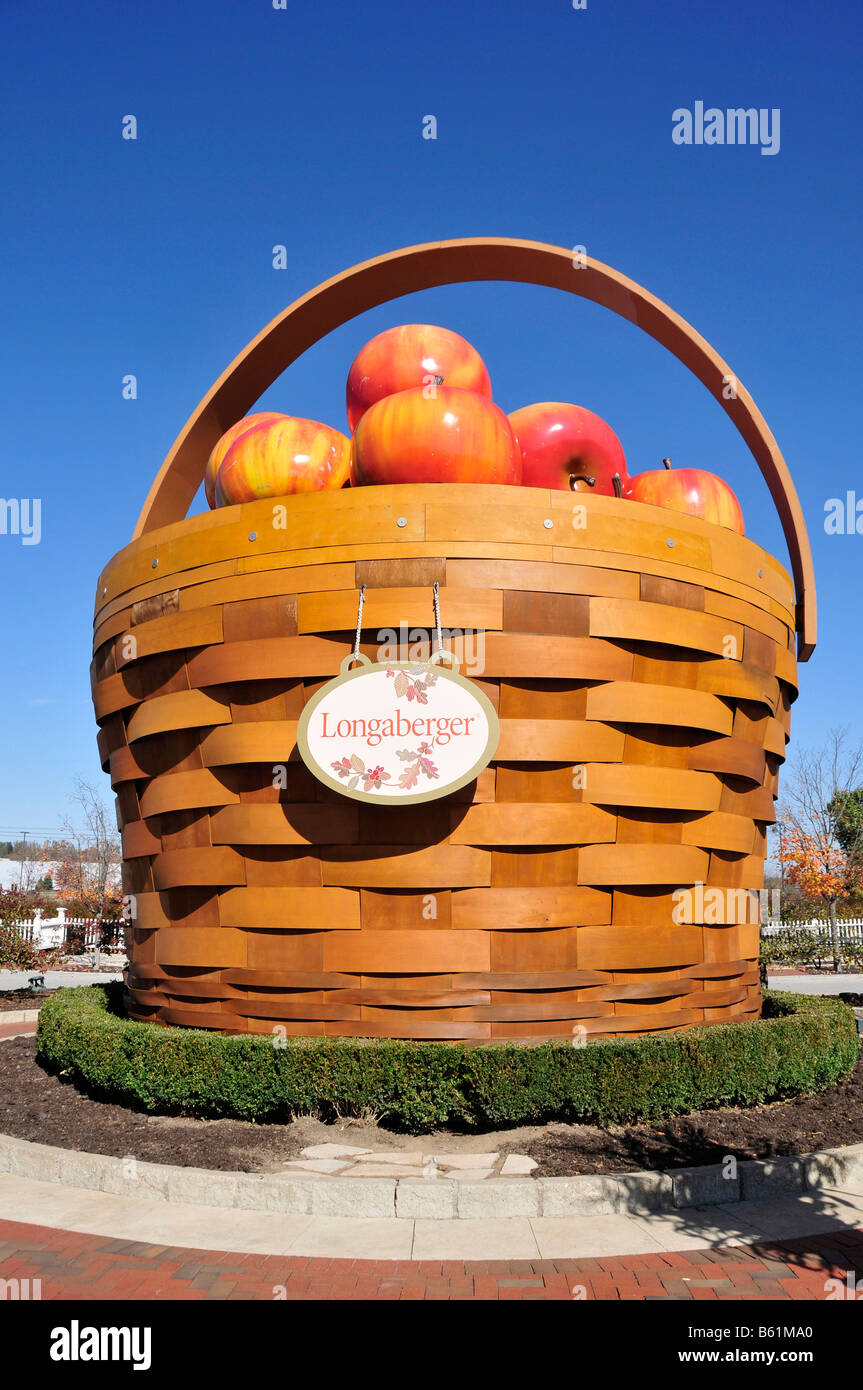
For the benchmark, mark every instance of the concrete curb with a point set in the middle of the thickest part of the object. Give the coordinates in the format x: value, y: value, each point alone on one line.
x: 442, y: 1199
x: 18, y: 1016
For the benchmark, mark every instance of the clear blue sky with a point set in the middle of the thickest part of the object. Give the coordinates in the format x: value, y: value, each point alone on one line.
x: 302, y: 126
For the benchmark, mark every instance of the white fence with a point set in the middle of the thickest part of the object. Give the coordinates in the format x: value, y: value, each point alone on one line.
x: 47, y: 932
x: 850, y: 928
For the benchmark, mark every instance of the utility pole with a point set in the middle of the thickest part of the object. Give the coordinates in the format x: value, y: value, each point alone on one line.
x: 23, y: 853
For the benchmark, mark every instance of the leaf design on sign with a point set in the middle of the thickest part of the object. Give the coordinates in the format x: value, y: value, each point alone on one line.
x: 357, y: 763
x: 352, y: 783
x: 401, y: 685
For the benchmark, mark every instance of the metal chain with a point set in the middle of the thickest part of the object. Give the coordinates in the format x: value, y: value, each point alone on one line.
x: 359, y: 621
x: 437, y: 616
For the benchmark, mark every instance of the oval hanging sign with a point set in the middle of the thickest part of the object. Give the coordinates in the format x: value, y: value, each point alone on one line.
x: 398, y: 732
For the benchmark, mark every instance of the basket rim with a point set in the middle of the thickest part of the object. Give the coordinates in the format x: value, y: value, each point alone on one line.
x: 133, y: 565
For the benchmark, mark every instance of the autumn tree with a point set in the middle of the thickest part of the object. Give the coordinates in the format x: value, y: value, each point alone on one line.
x: 820, y: 840
x: 87, y: 876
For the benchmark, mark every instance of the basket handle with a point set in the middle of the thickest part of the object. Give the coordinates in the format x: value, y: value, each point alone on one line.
x: 436, y: 263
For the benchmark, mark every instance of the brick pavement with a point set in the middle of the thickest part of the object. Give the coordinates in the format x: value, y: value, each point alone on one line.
x: 14, y: 1030
x: 88, y: 1267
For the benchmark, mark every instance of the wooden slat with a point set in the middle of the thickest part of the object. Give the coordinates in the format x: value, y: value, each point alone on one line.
x: 382, y: 866
x: 558, y: 740
x: 628, y: 863
x: 659, y: 788
x: 303, y: 909
x: 337, y: 611
x: 181, y: 791
x: 529, y: 909
x: 637, y: 621
x: 285, y: 824
x: 264, y: 741
x: 536, y: 575
x: 198, y: 867
x: 428, y: 950
x: 184, y: 709
x: 541, y: 824
x: 636, y: 702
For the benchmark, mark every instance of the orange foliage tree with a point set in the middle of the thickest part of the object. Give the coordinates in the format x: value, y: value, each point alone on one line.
x: 817, y: 851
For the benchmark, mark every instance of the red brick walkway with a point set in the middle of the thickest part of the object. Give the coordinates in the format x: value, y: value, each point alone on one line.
x: 77, y: 1267
x: 11, y: 1030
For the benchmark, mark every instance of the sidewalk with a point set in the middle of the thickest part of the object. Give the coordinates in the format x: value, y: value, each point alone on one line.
x: 95, y: 1268
x: 828, y: 983
x: 86, y: 1211
x: 56, y: 979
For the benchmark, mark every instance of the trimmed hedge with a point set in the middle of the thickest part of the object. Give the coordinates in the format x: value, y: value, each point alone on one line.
x: 802, y: 1045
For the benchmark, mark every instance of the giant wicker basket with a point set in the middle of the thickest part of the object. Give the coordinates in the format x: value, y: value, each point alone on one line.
x: 642, y: 665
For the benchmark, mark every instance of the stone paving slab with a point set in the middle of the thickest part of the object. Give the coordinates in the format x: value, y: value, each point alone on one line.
x: 305, y: 1189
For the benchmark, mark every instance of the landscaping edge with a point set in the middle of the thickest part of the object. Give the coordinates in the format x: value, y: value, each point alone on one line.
x: 437, y: 1198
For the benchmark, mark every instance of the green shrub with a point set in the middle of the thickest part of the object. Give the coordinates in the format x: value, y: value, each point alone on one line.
x: 794, y: 946
x: 801, y: 1045
x: 798, y: 946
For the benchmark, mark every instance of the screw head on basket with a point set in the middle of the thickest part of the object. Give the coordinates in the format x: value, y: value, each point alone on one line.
x: 548, y: 523
x: 155, y: 563
x: 401, y: 521
x: 670, y: 543
x: 253, y: 535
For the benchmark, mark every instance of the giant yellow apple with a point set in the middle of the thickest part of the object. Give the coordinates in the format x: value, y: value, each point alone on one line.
x: 413, y: 354
x: 278, y: 457
x: 214, y: 462
x: 454, y: 436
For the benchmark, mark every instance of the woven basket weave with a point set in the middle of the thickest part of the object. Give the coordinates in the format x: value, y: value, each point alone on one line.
x: 642, y: 665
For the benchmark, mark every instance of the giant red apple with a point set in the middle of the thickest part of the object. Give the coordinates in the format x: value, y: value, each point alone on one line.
x: 221, y: 447
x: 282, y: 456
x: 413, y: 354
x: 565, y: 446
x: 454, y: 436
x: 690, y: 490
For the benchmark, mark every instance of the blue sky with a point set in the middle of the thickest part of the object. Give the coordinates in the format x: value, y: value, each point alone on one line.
x: 303, y: 126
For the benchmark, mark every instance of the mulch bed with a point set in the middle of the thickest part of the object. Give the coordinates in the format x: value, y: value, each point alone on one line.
x: 50, y: 1110
x: 12, y: 1000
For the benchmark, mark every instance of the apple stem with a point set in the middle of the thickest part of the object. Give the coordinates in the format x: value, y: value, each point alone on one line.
x: 617, y: 484
x: 666, y: 463
x: 580, y: 478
